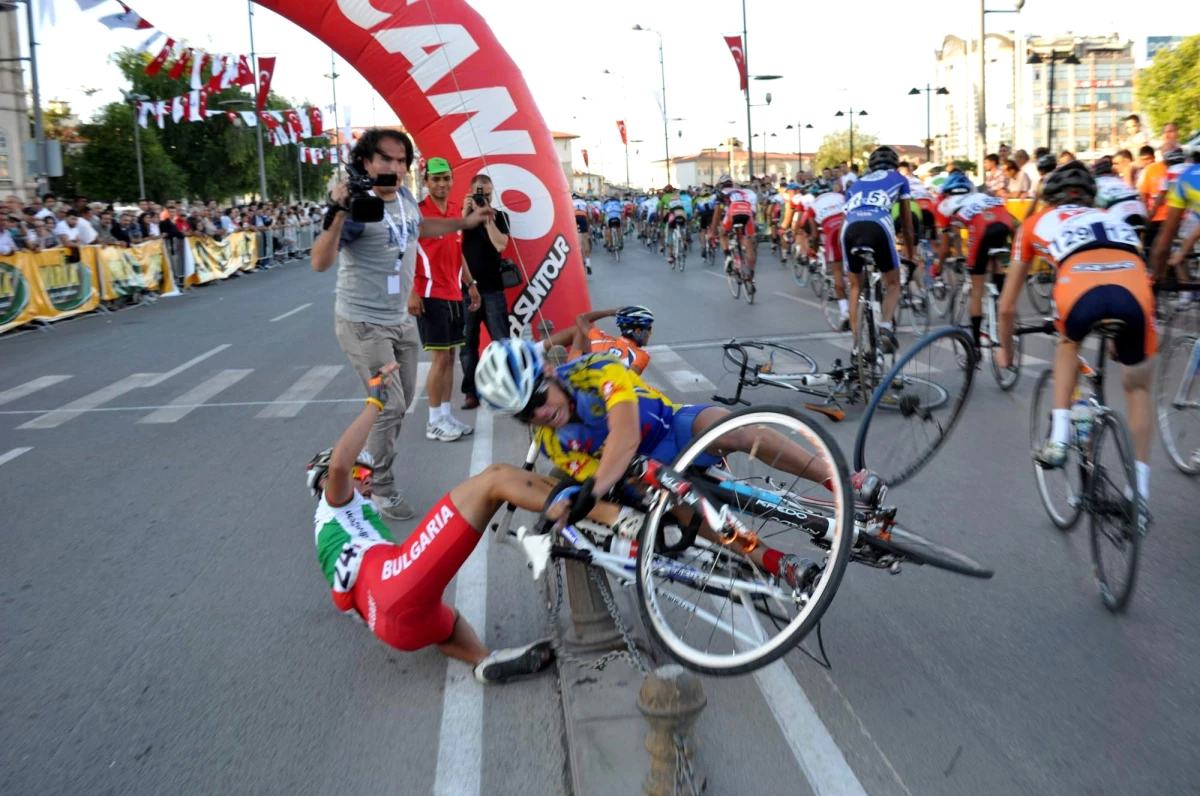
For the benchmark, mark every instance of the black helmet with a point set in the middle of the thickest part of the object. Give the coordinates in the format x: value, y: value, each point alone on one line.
x: 1173, y: 157
x: 883, y: 157
x: 725, y: 178
x: 1102, y: 167
x: 1069, y: 181
x: 1046, y: 164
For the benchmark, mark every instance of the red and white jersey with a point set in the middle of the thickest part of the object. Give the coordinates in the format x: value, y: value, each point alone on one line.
x: 828, y: 210
x: 738, y: 201
x: 1056, y: 233
x: 958, y: 211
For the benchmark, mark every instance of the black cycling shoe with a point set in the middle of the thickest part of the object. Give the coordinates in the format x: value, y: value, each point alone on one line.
x: 506, y: 665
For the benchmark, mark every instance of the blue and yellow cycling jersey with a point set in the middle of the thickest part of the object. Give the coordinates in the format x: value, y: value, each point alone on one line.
x: 1184, y: 192
x: 594, y: 384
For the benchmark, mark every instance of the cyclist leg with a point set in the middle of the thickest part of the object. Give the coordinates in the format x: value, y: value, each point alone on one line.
x: 750, y: 245
x: 852, y: 235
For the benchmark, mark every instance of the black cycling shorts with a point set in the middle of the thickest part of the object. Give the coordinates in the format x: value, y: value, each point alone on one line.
x: 706, y: 217
x: 441, y: 324
x: 873, y: 235
x: 581, y: 223
x: 994, y: 237
x: 1110, y: 302
x: 614, y: 222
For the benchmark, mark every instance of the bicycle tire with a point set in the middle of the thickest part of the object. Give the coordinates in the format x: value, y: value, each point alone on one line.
x: 800, y: 273
x: 733, y: 277
x: 946, y: 335
x: 1177, y: 350
x: 749, y: 290
x: 919, y: 550
x: 865, y: 341
x: 817, y: 280
x: 1099, y: 500
x: 835, y: 565
x: 914, y: 304
x: 809, y: 365
x: 1007, y: 378
x: 1064, y: 516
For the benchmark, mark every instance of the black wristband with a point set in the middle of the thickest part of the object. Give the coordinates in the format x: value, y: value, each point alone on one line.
x: 330, y: 214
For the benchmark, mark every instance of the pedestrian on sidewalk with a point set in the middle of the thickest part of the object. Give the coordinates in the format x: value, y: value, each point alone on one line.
x: 436, y: 301
x: 481, y: 248
x: 374, y: 281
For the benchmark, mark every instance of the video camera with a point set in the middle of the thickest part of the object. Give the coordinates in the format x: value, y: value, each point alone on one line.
x: 365, y: 206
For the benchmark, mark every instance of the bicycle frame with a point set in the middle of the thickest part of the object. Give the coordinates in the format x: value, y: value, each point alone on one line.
x: 836, y: 382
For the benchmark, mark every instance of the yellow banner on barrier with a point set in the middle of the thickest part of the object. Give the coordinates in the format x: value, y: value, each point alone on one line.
x: 212, y: 260
x: 127, y: 271
x: 44, y: 286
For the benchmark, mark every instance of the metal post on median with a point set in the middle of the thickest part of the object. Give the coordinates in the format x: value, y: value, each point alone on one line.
x: 671, y: 699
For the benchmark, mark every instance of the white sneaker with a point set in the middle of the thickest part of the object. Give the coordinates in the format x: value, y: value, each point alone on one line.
x: 462, y: 427
x: 442, y: 431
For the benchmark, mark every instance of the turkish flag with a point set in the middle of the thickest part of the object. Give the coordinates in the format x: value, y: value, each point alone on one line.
x: 293, y: 122
x: 585, y: 160
x: 180, y: 65
x: 245, y: 76
x: 266, y: 68
x: 268, y: 120
x: 738, y: 51
x: 234, y: 119
x: 621, y: 127
x: 155, y: 66
x: 218, y: 73
x: 318, y: 126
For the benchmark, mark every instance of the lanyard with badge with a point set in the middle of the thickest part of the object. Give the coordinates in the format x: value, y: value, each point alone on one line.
x: 401, y: 233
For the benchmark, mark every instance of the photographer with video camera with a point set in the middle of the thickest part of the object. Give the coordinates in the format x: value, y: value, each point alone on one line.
x: 371, y: 225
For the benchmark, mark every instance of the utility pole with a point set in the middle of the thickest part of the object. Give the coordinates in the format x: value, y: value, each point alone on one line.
x: 746, y: 66
x: 262, y: 163
x: 39, y: 130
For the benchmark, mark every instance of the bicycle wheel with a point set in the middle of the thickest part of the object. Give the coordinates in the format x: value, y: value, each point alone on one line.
x: 898, y: 444
x: 1113, y: 505
x: 1061, y: 490
x: 818, y: 278
x: 912, y: 313
x: 942, y: 292
x: 680, y: 254
x: 1007, y: 378
x: 1177, y: 403
x: 920, y: 550
x: 733, y: 276
x: 868, y: 361
x: 801, y: 274
x: 748, y: 290
x: 780, y: 362
x: 705, y: 604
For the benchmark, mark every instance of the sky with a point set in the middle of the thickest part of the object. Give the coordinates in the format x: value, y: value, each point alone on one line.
x: 563, y: 48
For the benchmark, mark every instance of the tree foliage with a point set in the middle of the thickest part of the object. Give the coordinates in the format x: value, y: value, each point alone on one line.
x: 1169, y: 88
x: 212, y: 159
x: 835, y: 147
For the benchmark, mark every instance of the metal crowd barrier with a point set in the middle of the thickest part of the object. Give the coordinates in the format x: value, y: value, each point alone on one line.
x: 266, y: 248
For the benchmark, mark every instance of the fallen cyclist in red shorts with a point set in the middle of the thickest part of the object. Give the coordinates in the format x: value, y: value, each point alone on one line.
x: 396, y: 588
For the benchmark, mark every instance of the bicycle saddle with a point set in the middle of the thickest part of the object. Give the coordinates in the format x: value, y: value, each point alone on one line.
x: 1109, y: 327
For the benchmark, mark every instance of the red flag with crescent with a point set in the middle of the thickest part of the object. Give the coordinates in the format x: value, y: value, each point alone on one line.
x: 585, y: 160
x: 738, y: 50
x: 160, y: 60
x: 621, y: 127
x: 266, y: 68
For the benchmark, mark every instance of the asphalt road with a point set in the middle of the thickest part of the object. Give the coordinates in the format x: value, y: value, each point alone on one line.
x: 166, y: 628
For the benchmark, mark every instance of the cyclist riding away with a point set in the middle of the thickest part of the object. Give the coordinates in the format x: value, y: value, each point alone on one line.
x: 581, y: 224
x: 1101, y: 276
x: 1183, y: 201
x: 593, y: 415
x: 868, y: 224
x: 989, y: 226
x: 677, y: 216
x: 735, y: 206
x: 828, y: 213
x: 613, y: 212
x: 1118, y: 197
x: 396, y: 588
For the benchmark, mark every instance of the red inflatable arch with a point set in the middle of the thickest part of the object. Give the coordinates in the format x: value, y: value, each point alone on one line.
x: 443, y: 72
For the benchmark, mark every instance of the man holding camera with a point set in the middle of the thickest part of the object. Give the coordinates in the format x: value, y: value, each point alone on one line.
x: 378, y: 258
x: 481, y: 248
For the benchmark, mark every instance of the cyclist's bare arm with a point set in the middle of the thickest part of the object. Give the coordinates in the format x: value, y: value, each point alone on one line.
x: 906, y: 226
x: 1008, y: 308
x: 481, y: 496
x: 1166, y: 236
x: 339, y: 486
x: 1188, y: 244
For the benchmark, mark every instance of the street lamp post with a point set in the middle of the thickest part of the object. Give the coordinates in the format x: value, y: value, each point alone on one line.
x: 799, y: 145
x: 981, y: 133
x: 928, y: 90
x: 1054, y: 58
x: 663, y: 74
x: 262, y: 162
x: 625, y: 121
x: 850, y: 114
x: 333, y: 76
x: 137, y: 139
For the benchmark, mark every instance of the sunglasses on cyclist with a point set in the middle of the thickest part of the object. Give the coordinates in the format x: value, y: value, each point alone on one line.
x: 540, y: 395
x: 360, y: 473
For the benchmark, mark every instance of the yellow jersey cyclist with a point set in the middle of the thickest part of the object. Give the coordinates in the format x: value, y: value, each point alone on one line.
x: 1183, y: 201
x: 594, y: 414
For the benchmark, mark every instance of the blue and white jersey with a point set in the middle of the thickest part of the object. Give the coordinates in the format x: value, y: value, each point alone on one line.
x: 687, y: 204
x: 613, y: 209
x: 649, y: 205
x: 871, y: 197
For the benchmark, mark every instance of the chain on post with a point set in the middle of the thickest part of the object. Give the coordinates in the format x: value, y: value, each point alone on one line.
x: 630, y: 655
x: 685, y: 777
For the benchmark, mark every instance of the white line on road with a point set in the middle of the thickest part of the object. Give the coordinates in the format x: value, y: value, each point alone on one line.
x: 797, y: 299
x: 291, y: 312
x: 214, y: 405
x: 57, y: 417
x: 460, y: 738
x: 303, y: 391
x: 419, y: 390
x: 30, y: 387
x: 195, y: 361
x: 678, y: 372
x: 196, y: 396
x: 12, y: 454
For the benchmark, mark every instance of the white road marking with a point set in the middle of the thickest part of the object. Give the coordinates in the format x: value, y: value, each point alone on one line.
x: 213, y: 405
x: 291, y: 312
x: 303, y: 391
x: 195, y: 397
x: 797, y: 299
x: 29, y: 387
x: 12, y: 454
x: 460, y: 738
x: 57, y: 417
x: 678, y: 371
x: 194, y: 361
x: 419, y: 390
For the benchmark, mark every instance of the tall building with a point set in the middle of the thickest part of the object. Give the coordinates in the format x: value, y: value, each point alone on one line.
x: 1090, y: 98
x: 14, y: 112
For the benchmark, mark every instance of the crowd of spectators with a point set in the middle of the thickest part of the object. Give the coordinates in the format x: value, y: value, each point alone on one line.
x: 47, y: 223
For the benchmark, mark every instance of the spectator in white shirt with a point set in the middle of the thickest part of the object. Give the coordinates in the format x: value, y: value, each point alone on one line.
x: 72, y: 234
x: 7, y: 244
x: 49, y: 201
x: 227, y: 221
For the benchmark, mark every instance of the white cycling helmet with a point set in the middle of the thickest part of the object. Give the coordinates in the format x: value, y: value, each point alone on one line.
x: 318, y: 468
x: 508, y: 374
